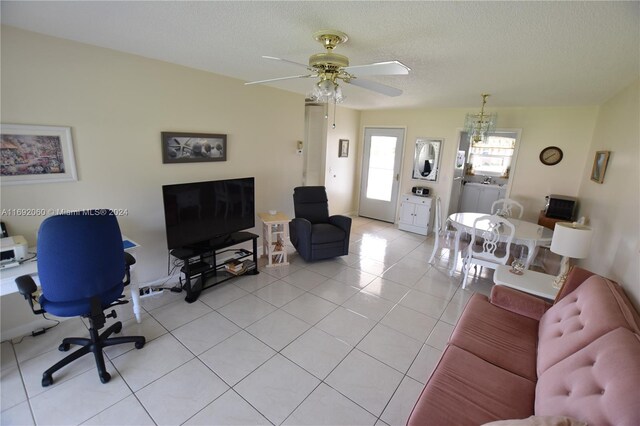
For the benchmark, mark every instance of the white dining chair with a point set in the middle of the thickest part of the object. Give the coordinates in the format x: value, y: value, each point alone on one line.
x: 496, y: 233
x: 504, y: 207
x: 439, y: 229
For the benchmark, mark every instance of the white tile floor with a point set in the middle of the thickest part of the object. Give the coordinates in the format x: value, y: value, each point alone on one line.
x: 345, y: 341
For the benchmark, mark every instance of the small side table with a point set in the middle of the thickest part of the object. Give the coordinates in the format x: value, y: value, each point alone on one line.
x: 531, y: 282
x: 275, y: 230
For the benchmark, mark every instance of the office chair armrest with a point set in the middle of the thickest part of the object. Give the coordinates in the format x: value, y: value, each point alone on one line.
x: 128, y: 261
x: 27, y: 288
x: 342, y: 222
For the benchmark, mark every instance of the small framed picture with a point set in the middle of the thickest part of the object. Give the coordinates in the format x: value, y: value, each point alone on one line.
x: 36, y: 154
x: 600, y: 166
x: 193, y: 147
x: 344, y: 148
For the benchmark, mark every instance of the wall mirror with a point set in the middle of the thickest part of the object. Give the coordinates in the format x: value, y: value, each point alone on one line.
x: 426, y: 160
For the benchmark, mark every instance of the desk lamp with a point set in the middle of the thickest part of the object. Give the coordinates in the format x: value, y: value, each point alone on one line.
x: 570, y: 240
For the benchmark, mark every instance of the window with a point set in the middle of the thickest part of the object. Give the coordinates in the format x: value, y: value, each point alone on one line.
x: 492, y: 156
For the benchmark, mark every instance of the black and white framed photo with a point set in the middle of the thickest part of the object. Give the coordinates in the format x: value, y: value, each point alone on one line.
x: 193, y: 147
x: 600, y: 166
x: 36, y: 154
x: 343, y: 150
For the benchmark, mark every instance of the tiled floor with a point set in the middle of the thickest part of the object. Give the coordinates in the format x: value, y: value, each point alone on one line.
x: 346, y: 341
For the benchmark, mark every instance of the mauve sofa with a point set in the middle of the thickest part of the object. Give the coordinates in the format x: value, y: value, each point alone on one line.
x: 512, y: 356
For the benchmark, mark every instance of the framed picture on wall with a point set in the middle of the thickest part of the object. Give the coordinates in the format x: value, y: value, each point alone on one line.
x: 36, y: 154
x: 600, y: 166
x: 343, y: 150
x: 193, y: 147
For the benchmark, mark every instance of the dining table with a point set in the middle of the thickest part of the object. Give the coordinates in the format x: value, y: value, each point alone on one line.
x: 528, y: 234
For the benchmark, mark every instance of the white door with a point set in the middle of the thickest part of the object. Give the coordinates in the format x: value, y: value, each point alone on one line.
x: 381, y: 173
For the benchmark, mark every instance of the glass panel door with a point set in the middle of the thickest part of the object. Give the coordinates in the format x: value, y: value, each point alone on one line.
x: 381, y: 173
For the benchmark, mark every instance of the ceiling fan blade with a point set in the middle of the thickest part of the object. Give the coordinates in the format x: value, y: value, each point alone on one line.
x: 376, y: 87
x: 273, y: 58
x: 379, y: 68
x: 281, y: 78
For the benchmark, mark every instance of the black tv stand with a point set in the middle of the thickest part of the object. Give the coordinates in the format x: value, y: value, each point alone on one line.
x: 201, y: 269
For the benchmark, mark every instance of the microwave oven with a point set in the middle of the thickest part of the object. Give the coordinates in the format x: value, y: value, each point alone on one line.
x: 560, y: 207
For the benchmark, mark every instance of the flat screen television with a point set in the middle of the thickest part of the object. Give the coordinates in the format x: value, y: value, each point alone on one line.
x: 198, y: 212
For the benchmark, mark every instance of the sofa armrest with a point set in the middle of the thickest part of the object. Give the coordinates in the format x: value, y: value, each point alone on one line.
x: 518, y: 302
x: 342, y: 222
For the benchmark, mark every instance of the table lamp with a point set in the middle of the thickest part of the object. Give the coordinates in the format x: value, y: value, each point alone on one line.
x: 569, y: 240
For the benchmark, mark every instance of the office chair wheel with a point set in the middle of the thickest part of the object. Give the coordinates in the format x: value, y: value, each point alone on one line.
x: 140, y: 345
x: 63, y: 348
x: 47, y: 380
x: 105, y: 377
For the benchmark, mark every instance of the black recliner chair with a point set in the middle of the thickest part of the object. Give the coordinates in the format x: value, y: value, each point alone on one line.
x: 314, y: 233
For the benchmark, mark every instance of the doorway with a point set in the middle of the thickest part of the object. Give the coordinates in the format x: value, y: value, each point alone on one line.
x: 483, y: 171
x: 381, y: 163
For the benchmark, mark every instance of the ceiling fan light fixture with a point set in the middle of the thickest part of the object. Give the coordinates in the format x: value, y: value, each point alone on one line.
x: 338, y: 96
x: 326, y: 87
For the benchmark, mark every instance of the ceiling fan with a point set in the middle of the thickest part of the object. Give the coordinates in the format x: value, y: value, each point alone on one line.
x: 331, y: 67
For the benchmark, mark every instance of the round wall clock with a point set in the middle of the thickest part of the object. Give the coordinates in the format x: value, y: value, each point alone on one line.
x: 551, y: 155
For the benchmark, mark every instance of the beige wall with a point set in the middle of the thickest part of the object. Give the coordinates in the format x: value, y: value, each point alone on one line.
x: 613, y: 207
x: 569, y: 128
x: 117, y: 105
x: 341, y: 172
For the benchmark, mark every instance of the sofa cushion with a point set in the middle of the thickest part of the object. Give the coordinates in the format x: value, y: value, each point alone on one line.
x: 322, y: 233
x: 598, y: 384
x: 466, y: 390
x: 498, y: 336
x: 593, y: 309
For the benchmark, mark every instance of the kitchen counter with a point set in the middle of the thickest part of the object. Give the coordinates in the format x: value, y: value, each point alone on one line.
x: 488, y: 185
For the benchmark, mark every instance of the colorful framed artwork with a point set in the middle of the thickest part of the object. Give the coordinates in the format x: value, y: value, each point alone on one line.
x: 36, y: 154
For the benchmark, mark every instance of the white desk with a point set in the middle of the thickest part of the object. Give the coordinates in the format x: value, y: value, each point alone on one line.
x: 531, y: 282
x: 8, y: 276
x: 527, y: 234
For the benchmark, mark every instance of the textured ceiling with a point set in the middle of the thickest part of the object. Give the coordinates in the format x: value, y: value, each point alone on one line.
x: 523, y: 53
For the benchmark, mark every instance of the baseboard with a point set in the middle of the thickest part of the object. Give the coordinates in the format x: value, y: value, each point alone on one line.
x: 27, y: 328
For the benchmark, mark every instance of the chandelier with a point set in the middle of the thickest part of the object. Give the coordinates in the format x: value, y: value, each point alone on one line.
x: 478, y: 125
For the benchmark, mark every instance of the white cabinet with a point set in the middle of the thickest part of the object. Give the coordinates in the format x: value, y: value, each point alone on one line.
x: 478, y: 198
x: 415, y: 214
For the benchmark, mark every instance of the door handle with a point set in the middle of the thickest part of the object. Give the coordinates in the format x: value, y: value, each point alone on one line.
x: 398, y: 177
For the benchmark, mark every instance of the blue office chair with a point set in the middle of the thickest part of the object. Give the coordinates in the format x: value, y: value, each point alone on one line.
x: 314, y: 233
x: 83, y: 269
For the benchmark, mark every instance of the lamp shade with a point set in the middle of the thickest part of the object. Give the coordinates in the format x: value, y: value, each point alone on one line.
x: 571, y: 240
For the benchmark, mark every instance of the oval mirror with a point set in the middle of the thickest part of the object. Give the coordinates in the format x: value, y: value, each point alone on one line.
x: 427, y: 159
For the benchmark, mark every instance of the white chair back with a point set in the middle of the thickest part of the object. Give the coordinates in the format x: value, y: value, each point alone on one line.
x: 504, y: 207
x: 438, y: 229
x: 495, y: 232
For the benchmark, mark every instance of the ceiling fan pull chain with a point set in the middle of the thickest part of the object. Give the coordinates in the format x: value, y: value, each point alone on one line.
x: 335, y: 106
